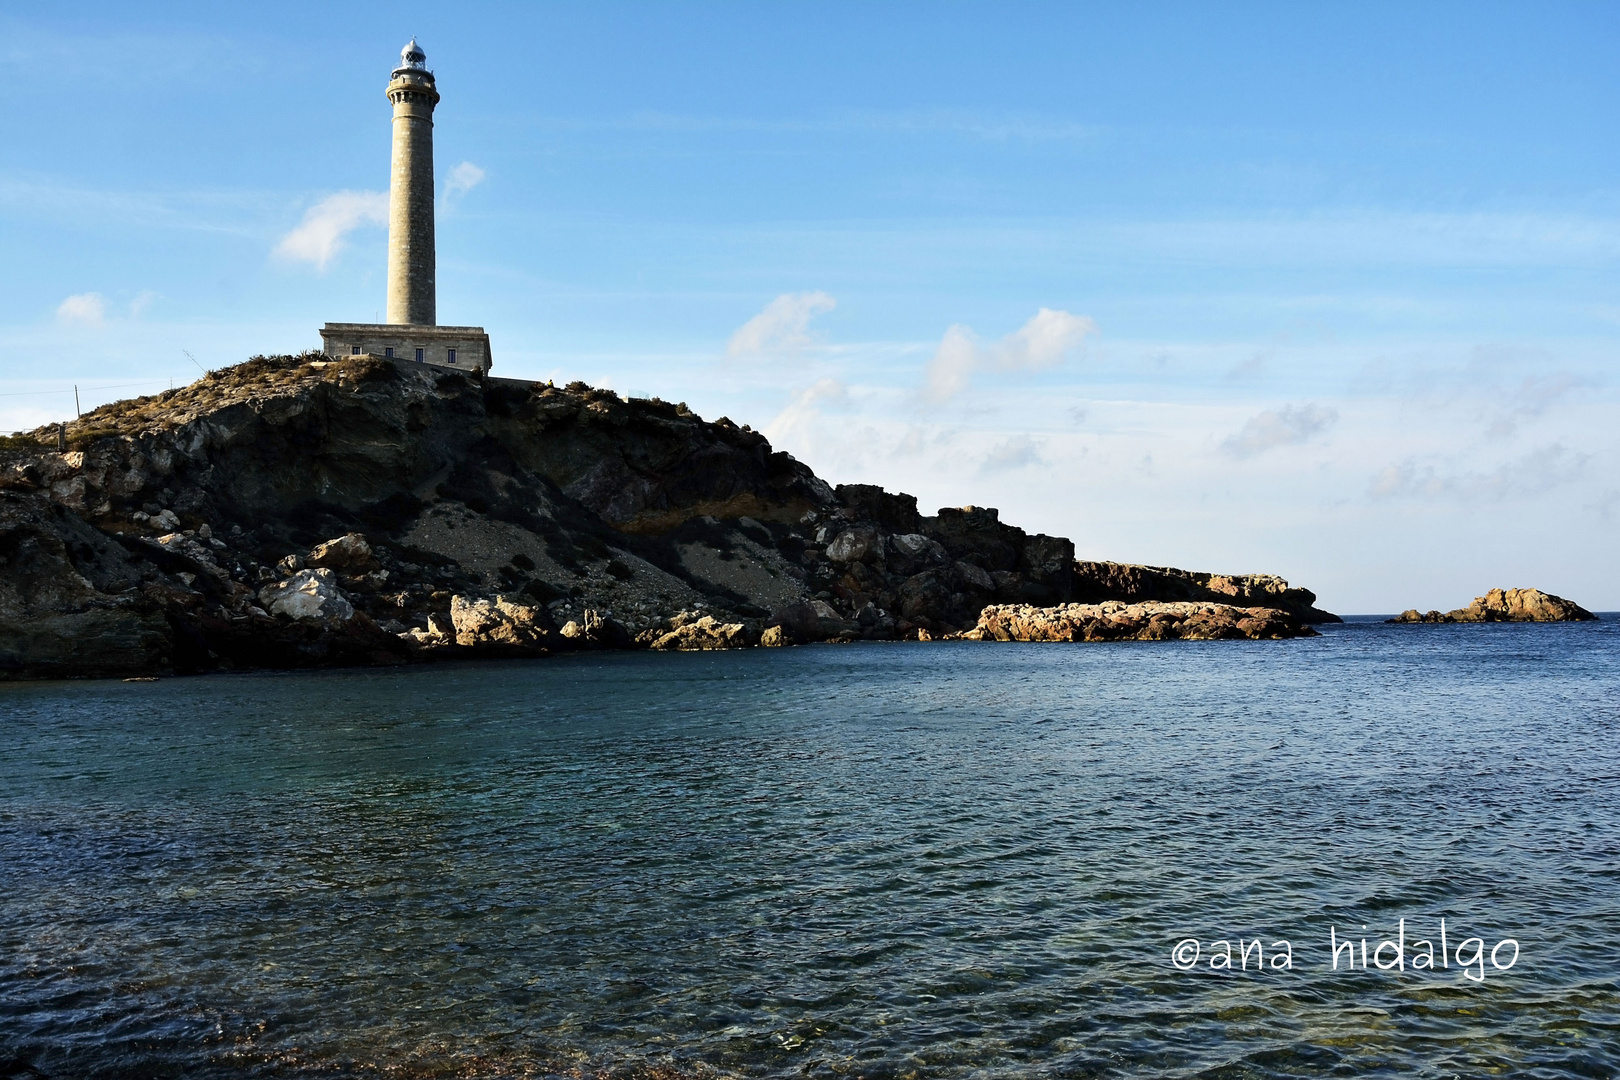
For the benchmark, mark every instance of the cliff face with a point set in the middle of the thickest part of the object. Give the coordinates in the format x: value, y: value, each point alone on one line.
x: 301, y: 510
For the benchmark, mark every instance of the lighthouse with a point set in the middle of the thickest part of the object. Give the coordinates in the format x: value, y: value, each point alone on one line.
x: 413, y: 93
x: 412, y: 333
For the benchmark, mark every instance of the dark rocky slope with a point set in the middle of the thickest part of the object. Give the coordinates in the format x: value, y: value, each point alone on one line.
x: 297, y: 511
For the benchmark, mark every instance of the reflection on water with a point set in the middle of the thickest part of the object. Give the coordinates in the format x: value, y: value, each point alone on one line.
x: 877, y: 860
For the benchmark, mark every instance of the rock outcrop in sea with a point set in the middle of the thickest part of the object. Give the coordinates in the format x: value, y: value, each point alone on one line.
x: 1505, y: 605
x: 304, y: 511
x: 1114, y: 620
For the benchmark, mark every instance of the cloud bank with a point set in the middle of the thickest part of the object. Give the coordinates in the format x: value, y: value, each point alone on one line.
x: 320, y: 236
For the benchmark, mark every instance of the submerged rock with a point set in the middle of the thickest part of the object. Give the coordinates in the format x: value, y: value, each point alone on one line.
x: 1505, y: 605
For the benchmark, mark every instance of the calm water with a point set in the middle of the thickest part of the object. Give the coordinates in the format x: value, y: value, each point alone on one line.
x: 878, y: 860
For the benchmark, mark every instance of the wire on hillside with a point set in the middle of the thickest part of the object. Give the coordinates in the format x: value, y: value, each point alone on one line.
x: 69, y: 390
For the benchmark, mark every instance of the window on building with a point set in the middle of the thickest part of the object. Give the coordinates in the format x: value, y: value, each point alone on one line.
x: 418, y: 356
x: 354, y: 350
x: 452, y: 356
x: 389, y: 352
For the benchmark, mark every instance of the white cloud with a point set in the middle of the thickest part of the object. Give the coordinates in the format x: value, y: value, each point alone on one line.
x: 320, y: 235
x: 1041, y: 343
x: 86, y: 309
x: 142, y: 301
x: 783, y: 327
x: 1287, y: 426
x: 463, y: 178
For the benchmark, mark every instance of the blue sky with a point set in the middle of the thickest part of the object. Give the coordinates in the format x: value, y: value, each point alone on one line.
x: 1325, y: 292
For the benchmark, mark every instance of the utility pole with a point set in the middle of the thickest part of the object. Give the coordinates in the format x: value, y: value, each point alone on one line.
x: 78, y: 413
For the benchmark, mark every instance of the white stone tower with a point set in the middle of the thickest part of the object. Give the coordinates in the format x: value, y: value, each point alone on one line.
x: 411, y: 294
x: 412, y: 333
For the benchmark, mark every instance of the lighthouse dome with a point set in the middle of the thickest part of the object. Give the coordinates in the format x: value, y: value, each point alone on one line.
x: 412, y: 56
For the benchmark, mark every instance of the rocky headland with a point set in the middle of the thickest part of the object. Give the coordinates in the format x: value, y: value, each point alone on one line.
x: 310, y: 511
x: 1505, y: 605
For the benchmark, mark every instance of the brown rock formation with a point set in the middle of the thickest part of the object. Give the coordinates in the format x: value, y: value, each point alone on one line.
x: 1113, y: 620
x: 708, y: 633
x: 1505, y: 605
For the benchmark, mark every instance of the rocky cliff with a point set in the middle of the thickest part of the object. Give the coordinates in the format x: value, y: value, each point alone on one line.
x: 295, y: 511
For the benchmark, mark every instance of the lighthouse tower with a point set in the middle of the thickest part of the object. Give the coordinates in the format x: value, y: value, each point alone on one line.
x: 412, y: 333
x: 410, y: 191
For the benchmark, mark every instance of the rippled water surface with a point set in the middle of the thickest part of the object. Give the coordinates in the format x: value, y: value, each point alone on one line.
x: 877, y: 860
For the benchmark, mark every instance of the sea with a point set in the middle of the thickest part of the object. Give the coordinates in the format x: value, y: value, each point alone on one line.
x: 1155, y: 859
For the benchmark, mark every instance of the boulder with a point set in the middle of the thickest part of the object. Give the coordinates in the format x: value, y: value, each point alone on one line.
x: 499, y: 625
x: 597, y: 631
x: 811, y: 620
x: 976, y: 577
x: 349, y: 553
x: 308, y: 594
x: 708, y: 633
x: 924, y: 595
x: 187, y: 546
x: 604, y: 632
x: 919, y: 547
x: 856, y: 545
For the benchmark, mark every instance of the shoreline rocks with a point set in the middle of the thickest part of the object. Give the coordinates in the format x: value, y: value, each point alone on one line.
x: 1099, y: 581
x: 1114, y: 620
x: 1505, y: 605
